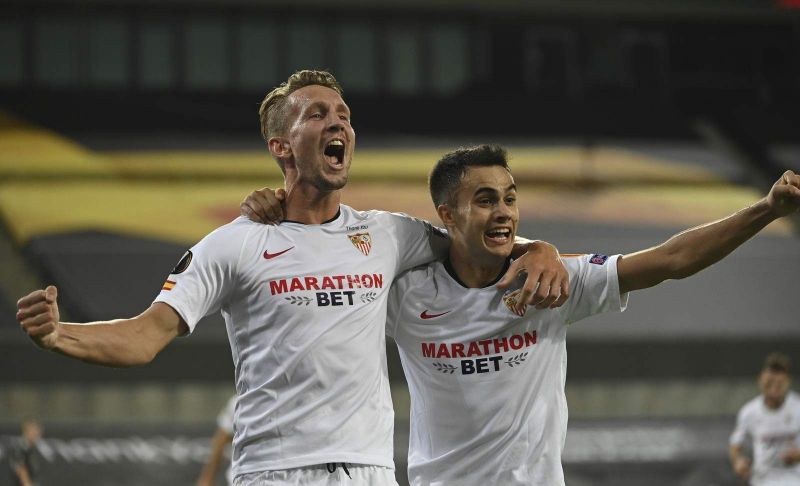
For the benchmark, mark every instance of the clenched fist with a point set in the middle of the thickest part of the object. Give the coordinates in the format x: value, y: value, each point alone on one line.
x: 784, y: 197
x: 38, y: 316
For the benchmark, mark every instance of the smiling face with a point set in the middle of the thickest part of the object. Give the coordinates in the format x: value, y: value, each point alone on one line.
x: 317, y: 147
x: 483, y: 221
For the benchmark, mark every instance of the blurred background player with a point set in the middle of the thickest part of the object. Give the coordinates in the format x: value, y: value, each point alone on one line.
x: 23, y: 458
x: 769, y: 425
x: 220, y: 443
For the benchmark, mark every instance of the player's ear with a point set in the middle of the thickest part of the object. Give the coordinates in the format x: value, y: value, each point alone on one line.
x: 279, y: 147
x: 446, y: 214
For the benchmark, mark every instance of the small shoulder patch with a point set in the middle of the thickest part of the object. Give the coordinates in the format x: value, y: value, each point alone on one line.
x: 183, y: 264
x: 598, y: 259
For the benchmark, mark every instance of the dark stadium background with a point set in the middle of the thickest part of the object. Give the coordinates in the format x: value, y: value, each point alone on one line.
x: 128, y: 130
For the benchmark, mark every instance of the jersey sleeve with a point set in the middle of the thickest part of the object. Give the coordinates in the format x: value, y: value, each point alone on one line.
x: 594, y: 286
x: 418, y: 241
x: 203, y: 278
x: 741, y: 430
x: 225, y: 417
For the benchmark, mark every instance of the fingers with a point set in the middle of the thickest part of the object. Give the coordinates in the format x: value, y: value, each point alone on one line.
x: 564, y: 289
x: 40, y: 331
x: 32, y: 298
x: 32, y: 310
x: 510, y: 276
x: 270, y: 204
x: 544, y: 287
x: 264, y: 206
x: 51, y: 294
x: 38, y: 307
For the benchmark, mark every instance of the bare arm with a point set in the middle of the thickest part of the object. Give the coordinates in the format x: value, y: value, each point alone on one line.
x: 221, y: 439
x: 119, y: 343
x: 22, y: 474
x: 739, y: 462
x: 695, y: 249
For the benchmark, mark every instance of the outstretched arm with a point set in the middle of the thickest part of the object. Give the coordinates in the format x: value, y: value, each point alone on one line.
x: 695, y: 249
x: 119, y: 343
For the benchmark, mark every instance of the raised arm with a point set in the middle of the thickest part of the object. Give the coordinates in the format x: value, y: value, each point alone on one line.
x: 119, y: 343
x: 695, y: 249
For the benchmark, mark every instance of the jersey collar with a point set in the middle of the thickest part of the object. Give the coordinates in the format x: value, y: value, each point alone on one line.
x: 334, y: 218
x: 451, y: 271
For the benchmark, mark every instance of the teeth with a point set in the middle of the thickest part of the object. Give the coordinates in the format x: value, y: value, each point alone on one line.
x: 336, y: 142
x: 503, y: 232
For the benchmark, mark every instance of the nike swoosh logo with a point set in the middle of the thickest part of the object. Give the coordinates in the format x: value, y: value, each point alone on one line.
x: 270, y: 256
x: 425, y: 314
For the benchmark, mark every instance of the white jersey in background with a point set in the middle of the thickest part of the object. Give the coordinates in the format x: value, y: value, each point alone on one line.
x: 487, y: 386
x: 305, y: 310
x: 772, y: 432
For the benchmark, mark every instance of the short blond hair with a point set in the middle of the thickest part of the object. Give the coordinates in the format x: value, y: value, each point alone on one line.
x: 273, y: 110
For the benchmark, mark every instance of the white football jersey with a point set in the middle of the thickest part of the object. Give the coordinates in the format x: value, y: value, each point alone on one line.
x: 305, y: 310
x: 487, y: 386
x: 773, y: 433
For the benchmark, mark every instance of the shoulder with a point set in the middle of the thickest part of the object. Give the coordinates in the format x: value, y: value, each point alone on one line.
x: 751, y: 408
x: 240, y: 226
x: 415, y: 281
x: 418, y: 275
x: 229, y: 240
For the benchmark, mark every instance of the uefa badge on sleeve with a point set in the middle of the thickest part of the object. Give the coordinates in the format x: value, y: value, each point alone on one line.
x: 362, y: 242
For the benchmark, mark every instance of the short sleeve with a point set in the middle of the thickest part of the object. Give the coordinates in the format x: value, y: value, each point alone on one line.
x: 741, y: 430
x: 594, y: 286
x: 203, y: 278
x: 225, y: 417
x: 418, y: 241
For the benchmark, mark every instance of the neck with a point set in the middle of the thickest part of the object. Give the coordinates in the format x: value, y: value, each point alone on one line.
x: 775, y: 404
x: 475, y: 272
x: 310, y: 205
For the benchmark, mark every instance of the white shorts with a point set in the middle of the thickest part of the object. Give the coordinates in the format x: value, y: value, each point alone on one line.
x: 321, y: 475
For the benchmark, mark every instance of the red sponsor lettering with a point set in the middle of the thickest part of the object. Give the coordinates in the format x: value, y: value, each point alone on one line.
x: 278, y: 287
x: 326, y: 282
x: 479, y: 348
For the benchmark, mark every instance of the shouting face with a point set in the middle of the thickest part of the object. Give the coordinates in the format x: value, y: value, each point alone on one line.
x: 318, y: 145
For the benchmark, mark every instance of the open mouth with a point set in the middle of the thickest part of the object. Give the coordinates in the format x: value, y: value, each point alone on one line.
x: 334, y: 153
x: 499, y: 235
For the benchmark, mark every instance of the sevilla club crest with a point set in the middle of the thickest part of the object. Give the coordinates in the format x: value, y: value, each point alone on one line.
x: 362, y: 241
